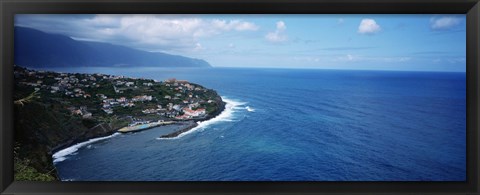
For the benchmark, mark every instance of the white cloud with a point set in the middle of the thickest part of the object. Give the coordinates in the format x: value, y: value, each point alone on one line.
x: 237, y: 25
x: 276, y: 37
x: 306, y: 58
x: 357, y: 58
x: 104, y: 21
x: 349, y: 57
x: 279, y: 34
x: 455, y: 60
x: 281, y: 26
x: 346, y: 58
x: 167, y: 33
x: 396, y: 59
x: 198, y: 47
x: 368, y: 26
x: 444, y: 23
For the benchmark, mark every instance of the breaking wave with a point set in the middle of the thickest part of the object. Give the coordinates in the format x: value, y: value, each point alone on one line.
x: 225, y: 116
x: 61, y: 155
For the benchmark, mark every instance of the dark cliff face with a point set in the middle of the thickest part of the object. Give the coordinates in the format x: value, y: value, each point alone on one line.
x: 37, y: 130
x: 35, y: 48
x: 220, y: 106
x: 43, y: 128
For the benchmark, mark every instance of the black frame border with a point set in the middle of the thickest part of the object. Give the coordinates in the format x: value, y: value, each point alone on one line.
x: 8, y: 8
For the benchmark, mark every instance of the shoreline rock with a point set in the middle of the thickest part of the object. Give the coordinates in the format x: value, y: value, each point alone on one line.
x: 190, y: 126
x: 83, y: 138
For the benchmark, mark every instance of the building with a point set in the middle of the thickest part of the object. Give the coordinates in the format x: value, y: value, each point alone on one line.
x: 108, y: 110
x: 128, y: 84
x: 177, y: 107
x: 142, y: 98
x: 189, y: 113
x: 171, y: 80
x: 86, y: 114
x: 122, y: 99
x: 194, y: 113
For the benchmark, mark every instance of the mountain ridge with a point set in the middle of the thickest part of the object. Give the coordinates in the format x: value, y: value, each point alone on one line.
x: 37, y: 49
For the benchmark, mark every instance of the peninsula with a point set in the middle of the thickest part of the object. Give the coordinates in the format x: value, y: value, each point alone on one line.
x: 57, y: 110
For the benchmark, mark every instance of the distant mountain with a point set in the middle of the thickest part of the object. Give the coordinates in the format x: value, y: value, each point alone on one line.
x: 34, y: 48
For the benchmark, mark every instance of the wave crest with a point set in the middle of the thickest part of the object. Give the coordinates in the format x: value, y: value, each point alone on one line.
x: 225, y: 116
x: 61, y: 155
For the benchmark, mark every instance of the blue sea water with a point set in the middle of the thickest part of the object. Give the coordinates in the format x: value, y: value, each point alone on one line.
x: 295, y: 125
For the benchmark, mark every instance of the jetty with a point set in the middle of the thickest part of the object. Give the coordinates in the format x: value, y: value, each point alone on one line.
x: 188, y: 126
x: 139, y: 126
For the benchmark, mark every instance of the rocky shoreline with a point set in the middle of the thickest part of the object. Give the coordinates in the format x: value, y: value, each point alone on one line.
x: 83, y: 138
x: 108, y: 130
x: 190, y: 125
x: 193, y: 123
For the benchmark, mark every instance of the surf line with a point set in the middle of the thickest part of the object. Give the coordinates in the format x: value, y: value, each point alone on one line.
x: 225, y: 115
x: 61, y: 155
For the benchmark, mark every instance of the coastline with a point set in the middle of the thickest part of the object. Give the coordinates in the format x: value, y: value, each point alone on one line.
x: 225, y: 112
x: 58, y: 153
x: 190, y: 126
x: 147, y: 126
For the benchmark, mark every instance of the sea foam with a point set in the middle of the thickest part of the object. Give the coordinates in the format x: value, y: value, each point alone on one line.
x: 61, y: 155
x: 225, y: 116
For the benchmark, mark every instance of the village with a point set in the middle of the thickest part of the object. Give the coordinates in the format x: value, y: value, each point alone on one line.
x: 92, y: 96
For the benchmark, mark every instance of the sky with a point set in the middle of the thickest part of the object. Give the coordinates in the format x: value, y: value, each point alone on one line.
x: 420, y: 42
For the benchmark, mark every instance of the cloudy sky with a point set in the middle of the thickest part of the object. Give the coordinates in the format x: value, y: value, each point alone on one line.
x: 378, y: 42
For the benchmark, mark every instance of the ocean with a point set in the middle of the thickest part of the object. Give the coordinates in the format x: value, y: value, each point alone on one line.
x: 293, y: 125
